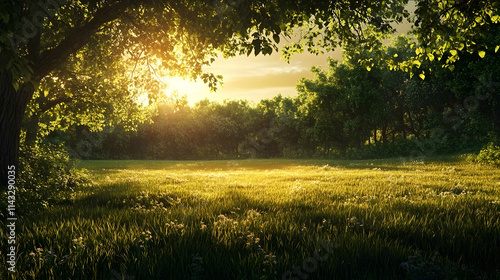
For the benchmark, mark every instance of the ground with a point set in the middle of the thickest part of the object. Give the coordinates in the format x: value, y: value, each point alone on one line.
x: 271, y: 219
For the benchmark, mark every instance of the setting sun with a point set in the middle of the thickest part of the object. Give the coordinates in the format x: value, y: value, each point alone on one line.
x: 194, y: 90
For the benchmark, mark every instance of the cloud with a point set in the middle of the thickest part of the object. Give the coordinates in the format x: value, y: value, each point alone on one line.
x: 253, y: 67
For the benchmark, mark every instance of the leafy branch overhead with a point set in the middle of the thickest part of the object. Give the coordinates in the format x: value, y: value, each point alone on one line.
x: 184, y: 35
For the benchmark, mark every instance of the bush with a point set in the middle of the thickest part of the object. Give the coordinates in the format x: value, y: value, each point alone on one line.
x: 46, y: 177
x: 489, y: 155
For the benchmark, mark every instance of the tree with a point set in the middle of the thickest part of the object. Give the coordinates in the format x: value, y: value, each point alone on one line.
x: 277, y: 130
x: 324, y: 109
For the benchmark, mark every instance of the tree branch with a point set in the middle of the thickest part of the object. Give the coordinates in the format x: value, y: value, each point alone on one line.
x: 50, y: 59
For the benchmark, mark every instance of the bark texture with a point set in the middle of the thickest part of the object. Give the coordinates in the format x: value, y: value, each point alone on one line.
x: 12, y: 106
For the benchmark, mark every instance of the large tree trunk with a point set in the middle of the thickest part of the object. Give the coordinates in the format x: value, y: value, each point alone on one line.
x: 12, y: 106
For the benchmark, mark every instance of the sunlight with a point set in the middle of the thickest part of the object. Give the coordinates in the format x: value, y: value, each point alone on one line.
x: 195, y: 91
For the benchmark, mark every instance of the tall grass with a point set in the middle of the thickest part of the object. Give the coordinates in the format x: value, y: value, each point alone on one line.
x: 270, y: 219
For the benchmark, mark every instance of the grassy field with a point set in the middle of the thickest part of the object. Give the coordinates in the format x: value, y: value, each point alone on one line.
x: 271, y: 219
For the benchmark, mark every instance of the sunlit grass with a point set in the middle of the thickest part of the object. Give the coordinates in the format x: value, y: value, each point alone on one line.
x: 257, y: 219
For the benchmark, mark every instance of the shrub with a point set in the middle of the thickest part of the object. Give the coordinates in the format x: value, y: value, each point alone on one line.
x: 489, y: 155
x: 46, y: 177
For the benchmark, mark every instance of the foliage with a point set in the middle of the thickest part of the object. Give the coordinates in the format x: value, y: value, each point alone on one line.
x: 47, y: 177
x: 443, y: 29
x: 490, y: 154
x: 209, y: 130
x: 256, y: 219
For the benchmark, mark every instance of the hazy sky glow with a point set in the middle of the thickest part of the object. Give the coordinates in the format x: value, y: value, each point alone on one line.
x: 253, y: 78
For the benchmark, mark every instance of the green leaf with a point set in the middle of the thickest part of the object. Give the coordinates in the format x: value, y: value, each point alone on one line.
x: 276, y: 38
x: 481, y: 53
x: 257, y: 51
x: 495, y: 18
x: 451, y: 67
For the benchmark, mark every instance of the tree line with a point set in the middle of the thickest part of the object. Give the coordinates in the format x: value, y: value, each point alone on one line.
x: 347, y: 110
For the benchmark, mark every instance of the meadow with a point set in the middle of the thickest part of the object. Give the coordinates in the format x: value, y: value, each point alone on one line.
x: 271, y: 219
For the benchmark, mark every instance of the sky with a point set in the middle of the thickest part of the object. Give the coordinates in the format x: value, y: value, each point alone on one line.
x: 252, y: 77
x: 255, y: 78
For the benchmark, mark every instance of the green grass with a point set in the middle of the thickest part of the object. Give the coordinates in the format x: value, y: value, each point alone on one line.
x: 258, y: 219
